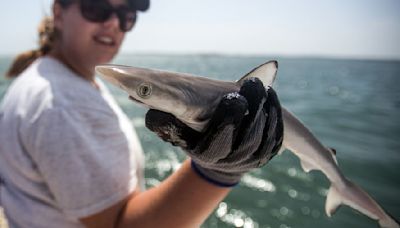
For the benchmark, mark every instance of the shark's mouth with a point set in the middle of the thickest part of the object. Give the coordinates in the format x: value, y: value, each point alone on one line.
x: 135, y: 100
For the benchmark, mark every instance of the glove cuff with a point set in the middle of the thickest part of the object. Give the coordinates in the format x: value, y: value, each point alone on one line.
x: 216, y: 178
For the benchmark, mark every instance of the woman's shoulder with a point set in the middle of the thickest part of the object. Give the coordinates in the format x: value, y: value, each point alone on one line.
x: 49, y: 81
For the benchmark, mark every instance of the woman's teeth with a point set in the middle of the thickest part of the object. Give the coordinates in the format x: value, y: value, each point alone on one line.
x: 105, y: 40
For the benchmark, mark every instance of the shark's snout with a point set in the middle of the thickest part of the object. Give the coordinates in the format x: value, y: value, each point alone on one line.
x: 104, y: 70
x: 110, y: 74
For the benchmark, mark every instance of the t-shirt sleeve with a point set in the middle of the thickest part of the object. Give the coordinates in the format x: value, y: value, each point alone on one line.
x: 84, y: 158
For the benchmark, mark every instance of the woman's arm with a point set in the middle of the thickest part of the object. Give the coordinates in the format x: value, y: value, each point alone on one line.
x: 183, y: 200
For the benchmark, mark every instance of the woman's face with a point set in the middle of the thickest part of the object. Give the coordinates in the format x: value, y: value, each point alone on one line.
x: 85, y: 44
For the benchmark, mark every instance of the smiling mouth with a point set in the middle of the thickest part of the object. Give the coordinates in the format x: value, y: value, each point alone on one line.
x: 105, y: 40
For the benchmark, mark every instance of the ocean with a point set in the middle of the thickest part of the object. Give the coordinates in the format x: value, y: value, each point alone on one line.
x: 350, y: 105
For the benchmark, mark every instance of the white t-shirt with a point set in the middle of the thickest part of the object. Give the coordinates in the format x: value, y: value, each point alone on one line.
x: 67, y: 151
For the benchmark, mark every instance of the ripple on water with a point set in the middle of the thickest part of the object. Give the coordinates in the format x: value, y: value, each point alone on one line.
x: 162, y: 164
x: 346, y: 95
x: 298, y: 174
x: 323, y: 191
x: 283, y: 213
x: 292, y: 193
x: 234, y: 217
x: 262, y: 203
x: 310, y: 212
x: 152, y: 182
x: 315, y: 213
x: 305, y: 210
x: 296, y: 194
x: 258, y: 184
x: 284, y: 226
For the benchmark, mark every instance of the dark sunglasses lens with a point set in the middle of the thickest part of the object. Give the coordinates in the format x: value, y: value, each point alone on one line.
x: 96, y: 11
x: 101, y: 11
x: 127, y: 18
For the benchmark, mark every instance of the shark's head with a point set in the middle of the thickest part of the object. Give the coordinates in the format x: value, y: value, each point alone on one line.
x: 190, y: 98
x: 182, y: 95
x: 144, y: 86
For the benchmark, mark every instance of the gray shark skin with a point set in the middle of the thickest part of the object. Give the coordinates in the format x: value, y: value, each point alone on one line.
x: 193, y: 99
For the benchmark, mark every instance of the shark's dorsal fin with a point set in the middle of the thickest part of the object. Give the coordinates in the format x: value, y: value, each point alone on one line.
x: 333, y: 152
x: 266, y: 72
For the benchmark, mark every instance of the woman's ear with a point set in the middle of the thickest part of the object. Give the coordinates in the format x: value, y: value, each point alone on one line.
x: 57, y: 16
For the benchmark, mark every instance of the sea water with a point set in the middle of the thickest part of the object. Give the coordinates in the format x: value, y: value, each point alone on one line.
x: 350, y: 105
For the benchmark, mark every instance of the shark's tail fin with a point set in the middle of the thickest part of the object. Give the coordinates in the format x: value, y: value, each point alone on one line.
x: 353, y: 196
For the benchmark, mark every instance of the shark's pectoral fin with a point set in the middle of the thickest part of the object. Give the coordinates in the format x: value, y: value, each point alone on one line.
x: 266, y: 72
x: 333, y: 201
x: 307, y: 167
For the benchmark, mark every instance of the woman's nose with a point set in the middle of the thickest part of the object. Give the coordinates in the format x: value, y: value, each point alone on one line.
x: 113, y: 21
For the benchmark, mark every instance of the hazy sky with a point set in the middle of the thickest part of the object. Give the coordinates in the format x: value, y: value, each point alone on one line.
x: 338, y: 28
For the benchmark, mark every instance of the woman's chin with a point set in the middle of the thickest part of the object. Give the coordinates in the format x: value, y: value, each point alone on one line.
x: 104, y: 59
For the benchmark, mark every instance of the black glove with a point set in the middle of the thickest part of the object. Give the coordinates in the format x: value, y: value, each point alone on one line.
x: 245, y: 131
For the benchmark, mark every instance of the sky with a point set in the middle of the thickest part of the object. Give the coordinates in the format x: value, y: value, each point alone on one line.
x: 318, y: 28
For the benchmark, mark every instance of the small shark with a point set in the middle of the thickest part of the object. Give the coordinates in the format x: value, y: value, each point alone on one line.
x: 193, y: 99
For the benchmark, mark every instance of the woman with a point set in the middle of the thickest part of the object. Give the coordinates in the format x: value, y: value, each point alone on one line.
x: 69, y: 156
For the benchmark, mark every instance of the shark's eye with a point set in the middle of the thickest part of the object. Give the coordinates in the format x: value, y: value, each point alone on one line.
x: 144, y: 90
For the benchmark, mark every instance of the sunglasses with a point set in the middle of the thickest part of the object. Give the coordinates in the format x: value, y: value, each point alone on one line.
x: 101, y: 11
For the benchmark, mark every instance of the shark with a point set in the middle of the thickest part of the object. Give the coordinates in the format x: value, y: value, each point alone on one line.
x: 193, y: 99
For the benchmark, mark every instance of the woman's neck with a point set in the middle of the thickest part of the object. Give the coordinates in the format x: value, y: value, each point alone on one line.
x: 81, y: 71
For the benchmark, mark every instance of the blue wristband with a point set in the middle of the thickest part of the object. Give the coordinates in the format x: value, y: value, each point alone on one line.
x: 210, y: 180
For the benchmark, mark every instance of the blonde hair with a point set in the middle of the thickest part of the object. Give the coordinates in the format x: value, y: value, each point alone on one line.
x: 47, y: 36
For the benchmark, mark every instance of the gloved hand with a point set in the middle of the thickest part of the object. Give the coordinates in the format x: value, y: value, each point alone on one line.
x: 245, y: 131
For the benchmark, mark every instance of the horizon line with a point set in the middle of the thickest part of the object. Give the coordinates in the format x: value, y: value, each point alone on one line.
x: 277, y: 55
x: 249, y: 55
